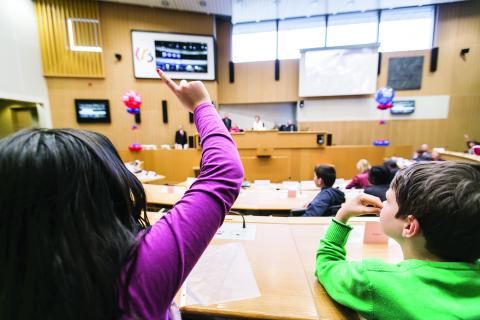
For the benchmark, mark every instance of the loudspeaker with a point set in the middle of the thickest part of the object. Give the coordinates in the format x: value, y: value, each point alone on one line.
x: 138, y: 119
x: 320, y: 139
x: 301, y: 104
x: 433, y: 59
x: 191, y: 143
x: 329, y: 139
x: 164, y: 111
x: 379, y: 67
x: 277, y: 69
x: 190, y: 117
x: 231, y: 72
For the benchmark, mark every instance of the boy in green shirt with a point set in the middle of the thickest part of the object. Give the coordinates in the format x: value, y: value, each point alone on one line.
x: 433, y: 211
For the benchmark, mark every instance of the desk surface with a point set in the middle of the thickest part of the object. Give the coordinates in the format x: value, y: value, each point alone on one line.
x: 249, y: 199
x: 282, y: 258
x: 460, y: 156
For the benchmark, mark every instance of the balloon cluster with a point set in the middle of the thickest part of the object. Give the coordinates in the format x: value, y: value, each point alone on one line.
x: 133, y: 102
x: 384, y: 97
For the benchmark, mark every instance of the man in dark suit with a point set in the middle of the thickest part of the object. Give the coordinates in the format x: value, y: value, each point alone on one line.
x: 290, y: 126
x: 180, y: 138
x: 227, y: 121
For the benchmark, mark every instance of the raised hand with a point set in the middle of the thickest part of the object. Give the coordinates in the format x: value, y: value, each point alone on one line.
x: 360, y: 205
x: 191, y: 94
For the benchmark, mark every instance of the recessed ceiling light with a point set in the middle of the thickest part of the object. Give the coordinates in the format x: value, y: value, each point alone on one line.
x: 165, y: 3
x: 202, y: 3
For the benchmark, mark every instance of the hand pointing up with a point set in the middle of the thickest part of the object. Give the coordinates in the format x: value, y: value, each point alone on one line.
x: 191, y: 94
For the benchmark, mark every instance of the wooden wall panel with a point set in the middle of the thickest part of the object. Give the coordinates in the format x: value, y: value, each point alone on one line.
x: 117, y: 20
x: 57, y: 58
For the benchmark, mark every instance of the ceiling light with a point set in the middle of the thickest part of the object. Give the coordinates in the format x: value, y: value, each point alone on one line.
x: 165, y: 3
x: 202, y: 3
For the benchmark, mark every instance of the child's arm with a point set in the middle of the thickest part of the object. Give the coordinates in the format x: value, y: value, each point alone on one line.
x: 346, y: 282
x: 174, y: 244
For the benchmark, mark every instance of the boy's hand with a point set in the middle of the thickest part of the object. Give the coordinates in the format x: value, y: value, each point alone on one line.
x: 360, y: 205
x: 190, y: 94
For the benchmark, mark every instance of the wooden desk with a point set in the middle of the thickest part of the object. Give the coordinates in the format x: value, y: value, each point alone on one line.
x: 149, y: 179
x: 269, y: 200
x: 282, y: 258
x: 459, y: 156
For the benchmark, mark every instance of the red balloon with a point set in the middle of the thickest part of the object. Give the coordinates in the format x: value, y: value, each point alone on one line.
x: 132, y: 99
x: 135, y: 147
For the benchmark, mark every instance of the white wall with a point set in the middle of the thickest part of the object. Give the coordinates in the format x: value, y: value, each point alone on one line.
x: 244, y: 114
x: 21, y: 76
x: 364, y: 109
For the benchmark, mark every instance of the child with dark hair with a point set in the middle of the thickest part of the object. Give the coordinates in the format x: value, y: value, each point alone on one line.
x: 75, y: 242
x: 328, y: 197
x: 433, y: 211
x: 379, y: 178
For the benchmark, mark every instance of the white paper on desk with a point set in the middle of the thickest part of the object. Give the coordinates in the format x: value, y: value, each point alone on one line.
x: 222, y: 274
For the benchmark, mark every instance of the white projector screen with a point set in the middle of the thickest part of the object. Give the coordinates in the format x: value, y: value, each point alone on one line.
x: 338, y: 71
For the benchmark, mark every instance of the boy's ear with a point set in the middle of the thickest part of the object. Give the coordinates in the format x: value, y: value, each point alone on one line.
x: 411, y: 227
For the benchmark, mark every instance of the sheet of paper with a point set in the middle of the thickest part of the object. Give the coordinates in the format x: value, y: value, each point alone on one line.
x: 222, y: 274
x: 235, y: 231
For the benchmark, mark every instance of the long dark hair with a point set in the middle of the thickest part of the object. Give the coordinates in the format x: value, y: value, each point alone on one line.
x: 70, y: 217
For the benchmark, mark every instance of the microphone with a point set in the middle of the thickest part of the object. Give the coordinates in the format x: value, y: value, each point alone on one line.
x: 244, y: 225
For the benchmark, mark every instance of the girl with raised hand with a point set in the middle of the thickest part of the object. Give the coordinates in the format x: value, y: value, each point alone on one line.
x: 74, y: 239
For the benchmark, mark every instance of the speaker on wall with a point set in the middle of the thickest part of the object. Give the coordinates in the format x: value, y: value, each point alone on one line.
x: 190, y: 117
x: 231, y: 72
x: 138, y: 119
x: 191, y: 143
x: 329, y: 139
x: 277, y: 69
x: 320, y: 139
x: 433, y: 59
x: 164, y: 111
x: 379, y: 68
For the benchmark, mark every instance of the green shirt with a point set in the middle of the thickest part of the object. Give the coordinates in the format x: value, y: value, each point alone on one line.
x: 411, y: 289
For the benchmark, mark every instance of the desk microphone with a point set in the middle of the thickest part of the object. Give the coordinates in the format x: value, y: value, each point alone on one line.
x: 240, y: 214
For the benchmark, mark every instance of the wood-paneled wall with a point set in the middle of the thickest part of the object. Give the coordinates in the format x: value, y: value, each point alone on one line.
x: 458, y: 27
x: 117, y: 20
x: 57, y: 58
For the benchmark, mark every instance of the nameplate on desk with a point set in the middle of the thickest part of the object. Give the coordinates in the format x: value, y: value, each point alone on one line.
x: 235, y: 231
x: 373, y: 233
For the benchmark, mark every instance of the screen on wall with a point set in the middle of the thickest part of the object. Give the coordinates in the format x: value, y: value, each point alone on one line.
x: 181, y: 56
x: 92, y: 111
x: 338, y: 71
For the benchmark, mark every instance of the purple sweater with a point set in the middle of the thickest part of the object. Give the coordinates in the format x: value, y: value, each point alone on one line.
x: 174, y: 244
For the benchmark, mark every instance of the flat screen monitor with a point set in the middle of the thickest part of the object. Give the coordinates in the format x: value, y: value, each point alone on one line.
x: 181, y: 56
x: 402, y: 107
x: 92, y: 111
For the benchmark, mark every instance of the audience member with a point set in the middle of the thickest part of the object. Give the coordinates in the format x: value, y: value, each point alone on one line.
x: 227, y: 121
x: 76, y: 242
x: 181, y: 140
x: 360, y: 181
x: 436, y: 156
x: 422, y: 154
x: 379, y: 178
x: 291, y: 126
x: 433, y: 212
x: 328, y: 197
x: 392, y: 167
x: 258, y: 124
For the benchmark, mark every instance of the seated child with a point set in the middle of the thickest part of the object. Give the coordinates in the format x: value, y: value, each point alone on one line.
x: 360, y: 181
x: 379, y: 178
x: 433, y: 211
x: 75, y: 241
x: 324, y: 177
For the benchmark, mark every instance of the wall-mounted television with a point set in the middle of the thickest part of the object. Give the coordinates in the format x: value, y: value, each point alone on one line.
x: 182, y: 56
x: 92, y: 111
x: 402, y: 107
